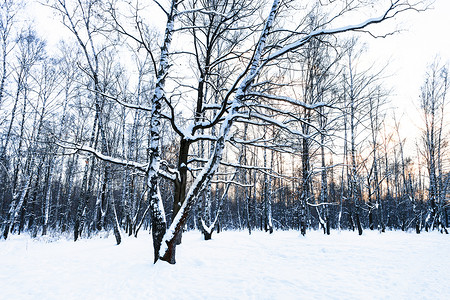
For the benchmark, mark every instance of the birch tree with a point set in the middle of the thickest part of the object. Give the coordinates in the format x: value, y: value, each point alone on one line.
x: 237, y: 104
x: 244, y: 97
x: 30, y: 54
x: 360, y: 97
x: 433, y: 101
x: 82, y: 20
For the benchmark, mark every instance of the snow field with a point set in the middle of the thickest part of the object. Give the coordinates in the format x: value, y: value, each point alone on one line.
x: 234, y: 265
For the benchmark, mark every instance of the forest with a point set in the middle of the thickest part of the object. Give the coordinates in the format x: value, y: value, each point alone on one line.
x: 212, y: 115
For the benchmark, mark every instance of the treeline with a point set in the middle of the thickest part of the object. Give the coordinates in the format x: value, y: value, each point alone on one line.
x: 226, y: 119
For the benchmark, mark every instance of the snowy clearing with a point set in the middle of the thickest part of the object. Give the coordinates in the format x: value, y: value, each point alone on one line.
x: 234, y: 265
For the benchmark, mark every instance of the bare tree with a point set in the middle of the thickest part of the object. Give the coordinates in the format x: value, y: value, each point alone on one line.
x: 360, y: 90
x: 8, y: 12
x: 31, y: 52
x: 81, y: 19
x: 432, y: 100
x: 245, y: 96
x: 374, y: 178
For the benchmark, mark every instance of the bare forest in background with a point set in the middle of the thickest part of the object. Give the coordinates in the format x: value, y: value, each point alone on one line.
x: 224, y: 115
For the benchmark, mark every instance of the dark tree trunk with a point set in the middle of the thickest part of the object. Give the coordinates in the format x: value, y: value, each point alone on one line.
x: 207, y: 235
x: 328, y: 226
x: 22, y: 221
x: 358, y: 221
x: 371, y: 225
x: 180, y: 183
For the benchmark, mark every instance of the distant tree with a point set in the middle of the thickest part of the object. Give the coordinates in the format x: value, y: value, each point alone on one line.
x: 433, y: 104
x: 375, y: 180
x: 82, y: 20
x: 361, y: 106
x: 24, y: 169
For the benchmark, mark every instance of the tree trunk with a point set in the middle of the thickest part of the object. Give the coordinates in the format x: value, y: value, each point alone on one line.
x: 48, y: 196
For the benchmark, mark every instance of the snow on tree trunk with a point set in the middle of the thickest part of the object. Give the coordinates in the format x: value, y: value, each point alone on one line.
x: 116, y: 225
x: 48, y: 197
x: 15, y: 208
x: 167, y: 251
x: 268, y: 226
x: 156, y: 204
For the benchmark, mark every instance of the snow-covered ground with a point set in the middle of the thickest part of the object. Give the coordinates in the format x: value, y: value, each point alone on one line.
x: 234, y: 265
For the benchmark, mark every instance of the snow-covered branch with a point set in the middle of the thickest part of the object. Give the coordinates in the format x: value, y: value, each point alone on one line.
x: 394, y: 8
x: 289, y: 100
x: 99, y: 155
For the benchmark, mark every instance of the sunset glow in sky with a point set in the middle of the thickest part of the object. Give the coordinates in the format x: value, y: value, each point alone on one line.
x: 407, y: 53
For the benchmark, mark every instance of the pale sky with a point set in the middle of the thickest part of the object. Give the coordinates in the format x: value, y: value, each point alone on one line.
x: 424, y: 35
